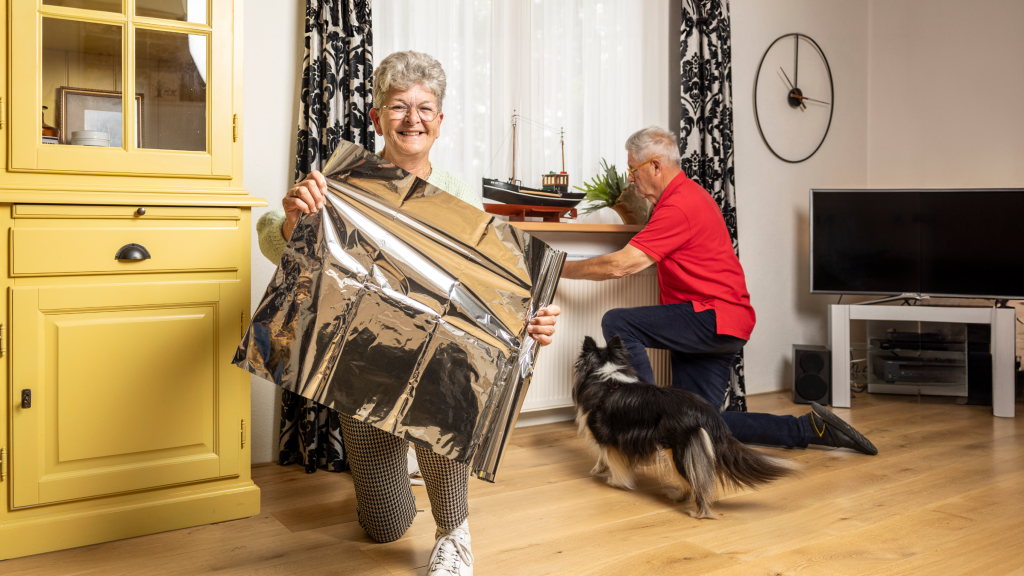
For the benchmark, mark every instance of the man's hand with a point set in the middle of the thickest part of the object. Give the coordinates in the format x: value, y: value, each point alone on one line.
x: 542, y: 326
x: 306, y: 197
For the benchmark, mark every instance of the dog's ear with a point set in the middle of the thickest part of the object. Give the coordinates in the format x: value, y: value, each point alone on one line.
x: 588, y: 344
x: 616, y: 342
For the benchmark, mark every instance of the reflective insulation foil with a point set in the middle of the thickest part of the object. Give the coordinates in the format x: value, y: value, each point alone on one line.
x: 404, y: 307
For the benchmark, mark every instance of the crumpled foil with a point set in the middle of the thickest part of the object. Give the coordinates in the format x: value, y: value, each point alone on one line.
x: 406, y: 308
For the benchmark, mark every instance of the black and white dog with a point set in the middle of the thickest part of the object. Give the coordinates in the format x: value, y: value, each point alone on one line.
x: 632, y: 423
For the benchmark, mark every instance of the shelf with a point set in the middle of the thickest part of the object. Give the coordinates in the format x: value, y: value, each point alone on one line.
x: 861, y: 347
x: 571, y: 227
x: 902, y: 384
x: 958, y: 379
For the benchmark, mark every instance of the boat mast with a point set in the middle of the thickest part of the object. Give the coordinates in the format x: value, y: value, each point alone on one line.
x: 561, y: 136
x: 513, y: 181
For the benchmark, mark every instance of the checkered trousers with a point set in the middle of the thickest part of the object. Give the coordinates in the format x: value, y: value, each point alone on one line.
x: 384, y: 499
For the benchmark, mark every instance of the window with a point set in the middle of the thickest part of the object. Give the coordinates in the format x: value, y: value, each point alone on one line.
x: 597, y: 69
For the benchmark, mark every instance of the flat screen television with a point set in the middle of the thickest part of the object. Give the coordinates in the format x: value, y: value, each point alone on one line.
x: 966, y: 243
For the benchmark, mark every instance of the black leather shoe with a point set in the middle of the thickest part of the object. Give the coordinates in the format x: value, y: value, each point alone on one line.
x: 830, y: 430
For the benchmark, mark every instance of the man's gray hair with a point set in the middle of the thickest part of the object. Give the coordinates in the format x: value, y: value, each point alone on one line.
x: 403, y: 70
x: 652, y: 141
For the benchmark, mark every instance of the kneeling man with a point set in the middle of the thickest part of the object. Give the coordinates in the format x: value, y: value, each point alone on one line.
x: 705, y: 316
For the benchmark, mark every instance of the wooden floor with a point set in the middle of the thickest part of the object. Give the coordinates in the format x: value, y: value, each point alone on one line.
x: 944, y: 496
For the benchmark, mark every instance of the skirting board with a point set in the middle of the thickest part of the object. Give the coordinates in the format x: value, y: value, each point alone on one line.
x: 82, y: 528
x: 538, y: 417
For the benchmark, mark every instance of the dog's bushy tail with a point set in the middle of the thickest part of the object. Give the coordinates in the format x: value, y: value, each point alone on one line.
x: 742, y: 466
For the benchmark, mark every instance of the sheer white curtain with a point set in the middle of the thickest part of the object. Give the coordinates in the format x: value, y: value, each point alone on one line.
x: 581, y: 65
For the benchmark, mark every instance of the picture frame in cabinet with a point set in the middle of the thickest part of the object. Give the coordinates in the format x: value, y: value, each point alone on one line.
x: 99, y: 110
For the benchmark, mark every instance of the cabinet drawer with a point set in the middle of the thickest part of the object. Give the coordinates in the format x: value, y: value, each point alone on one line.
x: 84, y: 240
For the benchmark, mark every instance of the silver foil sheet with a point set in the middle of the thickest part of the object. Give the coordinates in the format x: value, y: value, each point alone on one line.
x: 406, y: 308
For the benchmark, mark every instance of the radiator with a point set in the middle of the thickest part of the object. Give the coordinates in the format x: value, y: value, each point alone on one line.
x: 583, y: 303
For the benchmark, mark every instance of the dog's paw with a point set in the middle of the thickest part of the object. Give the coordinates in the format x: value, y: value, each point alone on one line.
x: 706, y: 514
x: 677, y: 494
x: 599, y: 469
x: 622, y: 484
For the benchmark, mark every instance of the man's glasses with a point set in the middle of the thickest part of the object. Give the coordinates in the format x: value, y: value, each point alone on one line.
x: 632, y: 171
x: 399, y: 110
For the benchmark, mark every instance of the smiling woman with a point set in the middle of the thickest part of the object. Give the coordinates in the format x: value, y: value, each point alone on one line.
x: 408, y: 91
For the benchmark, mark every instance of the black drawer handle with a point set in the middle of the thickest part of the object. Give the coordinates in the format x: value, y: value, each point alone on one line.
x: 132, y: 252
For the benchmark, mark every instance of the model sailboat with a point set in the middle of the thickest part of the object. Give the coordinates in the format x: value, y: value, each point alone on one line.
x: 554, y: 189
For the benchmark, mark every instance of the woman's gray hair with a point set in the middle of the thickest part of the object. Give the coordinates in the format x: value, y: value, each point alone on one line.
x: 652, y: 141
x: 403, y: 70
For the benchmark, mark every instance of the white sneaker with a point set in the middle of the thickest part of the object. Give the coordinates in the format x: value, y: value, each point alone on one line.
x: 452, y: 555
x: 415, y: 477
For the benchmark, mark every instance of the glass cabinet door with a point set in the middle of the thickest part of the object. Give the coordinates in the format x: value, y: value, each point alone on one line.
x: 172, y: 65
x: 71, y: 113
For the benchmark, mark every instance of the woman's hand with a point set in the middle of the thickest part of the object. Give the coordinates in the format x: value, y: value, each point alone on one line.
x: 306, y: 197
x: 542, y: 326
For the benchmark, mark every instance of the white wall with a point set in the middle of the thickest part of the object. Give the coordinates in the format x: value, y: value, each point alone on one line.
x: 660, y: 53
x: 594, y: 68
x: 273, y: 32
x: 946, y: 94
x: 772, y: 196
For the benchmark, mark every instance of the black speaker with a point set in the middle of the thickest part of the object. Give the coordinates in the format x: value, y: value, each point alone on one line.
x: 812, y: 374
x: 979, y: 379
x: 979, y: 365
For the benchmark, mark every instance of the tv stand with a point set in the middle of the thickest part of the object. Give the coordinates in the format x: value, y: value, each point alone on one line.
x: 1002, y: 343
x: 905, y: 297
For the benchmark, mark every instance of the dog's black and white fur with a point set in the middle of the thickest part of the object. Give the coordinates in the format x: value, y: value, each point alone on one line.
x: 632, y: 423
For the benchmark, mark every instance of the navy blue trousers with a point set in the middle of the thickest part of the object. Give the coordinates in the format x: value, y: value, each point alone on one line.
x: 701, y: 359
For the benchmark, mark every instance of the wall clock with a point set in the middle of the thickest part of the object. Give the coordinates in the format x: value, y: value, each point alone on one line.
x: 793, y: 97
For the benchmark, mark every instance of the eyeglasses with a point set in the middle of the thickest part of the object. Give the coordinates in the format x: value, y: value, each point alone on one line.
x: 632, y: 171
x: 398, y: 111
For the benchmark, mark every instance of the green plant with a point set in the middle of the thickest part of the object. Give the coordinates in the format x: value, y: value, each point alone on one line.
x: 605, y: 188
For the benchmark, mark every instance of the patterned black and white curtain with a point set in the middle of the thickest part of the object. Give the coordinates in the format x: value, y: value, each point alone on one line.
x: 705, y: 128
x: 335, y: 103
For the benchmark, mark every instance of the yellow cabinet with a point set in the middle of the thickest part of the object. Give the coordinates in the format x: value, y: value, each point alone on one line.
x: 125, y: 231
x: 124, y: 414
x: 129, y: 387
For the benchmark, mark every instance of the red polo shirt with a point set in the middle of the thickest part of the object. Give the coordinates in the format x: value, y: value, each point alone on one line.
x: 696, y: 263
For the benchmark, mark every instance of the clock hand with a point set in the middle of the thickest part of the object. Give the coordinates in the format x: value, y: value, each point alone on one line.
x: 801, y: 98
x: 813, y: 100
x: 796, y: 61
x: 786, y: 77
x: 792, y: 89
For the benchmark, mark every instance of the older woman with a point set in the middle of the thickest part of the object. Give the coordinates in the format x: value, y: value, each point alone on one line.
x: 408, y: 91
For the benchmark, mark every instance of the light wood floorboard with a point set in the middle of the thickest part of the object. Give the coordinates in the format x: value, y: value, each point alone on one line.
x: 945, y: 496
